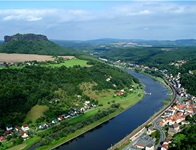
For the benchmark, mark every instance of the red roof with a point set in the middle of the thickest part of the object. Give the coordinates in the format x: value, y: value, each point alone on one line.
x: 26, y: 125
x: 2, y: 138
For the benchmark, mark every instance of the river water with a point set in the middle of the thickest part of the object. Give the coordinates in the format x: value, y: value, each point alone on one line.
x: 109, y: 133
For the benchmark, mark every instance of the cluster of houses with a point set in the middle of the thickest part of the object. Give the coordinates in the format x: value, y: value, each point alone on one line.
x: 72, y: 113
x: 178, y: 63
x: 176, y: 115
x: 176, y: 83
x: 21, y: 131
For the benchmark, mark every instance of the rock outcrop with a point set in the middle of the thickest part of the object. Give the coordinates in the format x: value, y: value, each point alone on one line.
x: 25, y: 37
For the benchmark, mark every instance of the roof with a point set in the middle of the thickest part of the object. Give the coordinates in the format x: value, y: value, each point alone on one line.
x: 2, y: 138
x: 145, y: 141
x: 26, y: 125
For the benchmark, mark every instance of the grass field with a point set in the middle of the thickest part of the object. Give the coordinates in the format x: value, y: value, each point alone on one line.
x: 36, y: 112
x: 70, y: 63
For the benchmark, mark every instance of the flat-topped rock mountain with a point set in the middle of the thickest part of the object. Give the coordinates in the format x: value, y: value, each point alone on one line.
x: 25, y: 37
x: 32, y: 44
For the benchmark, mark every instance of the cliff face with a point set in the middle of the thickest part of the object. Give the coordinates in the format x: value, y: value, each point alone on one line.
x: 25, y: 37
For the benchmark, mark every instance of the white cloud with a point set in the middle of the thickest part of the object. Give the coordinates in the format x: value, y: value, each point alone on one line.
x: 131, y: 20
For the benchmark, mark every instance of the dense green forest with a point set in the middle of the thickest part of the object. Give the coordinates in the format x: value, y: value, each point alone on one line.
x: 21, y: 89
x: 188, y: 80
x: 34, y: 47
x: 161, y: 58
x: 151, y: 56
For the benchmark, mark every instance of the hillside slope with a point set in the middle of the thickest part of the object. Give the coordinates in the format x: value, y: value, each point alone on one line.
x: 32, y: 44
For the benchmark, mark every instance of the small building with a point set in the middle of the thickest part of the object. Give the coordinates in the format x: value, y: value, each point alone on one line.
x: 24, y: 135
x: 2, y: 138
x: 60, y: 118
x: 9, y: 128
x: 54, y: 121
x: 145, y: 142
x: 25, y: 127
x: 17, y: 128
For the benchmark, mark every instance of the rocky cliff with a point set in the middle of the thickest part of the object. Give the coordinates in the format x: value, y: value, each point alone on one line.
x: 25, y: 37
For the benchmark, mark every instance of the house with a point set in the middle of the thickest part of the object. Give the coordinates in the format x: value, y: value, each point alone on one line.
x: 2, y: 138
x: 54, y: 121
x: 162, y: 123
x: 65, y: 116
x: 46, y: 124
x: 169, y: 112
x: 17, y: 128
x: 173, y: 129
x: 9, y: 128
x: 24, y: 135
x: 41, y: 126
x: 60, y: 118
x: 184, y: 122
x: 165, y: 145
x: 189, y: 110
x: 145, y: 142
x: 150, y: 130
x: 108, y: 79
x: 176, y: 127
x: 25, y: 127
x: 8, y: 132
x: 119, y: 93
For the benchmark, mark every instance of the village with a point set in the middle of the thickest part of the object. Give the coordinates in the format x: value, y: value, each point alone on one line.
x: 172, y: 121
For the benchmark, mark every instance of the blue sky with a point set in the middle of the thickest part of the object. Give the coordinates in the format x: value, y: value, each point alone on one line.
x: 84, y: 20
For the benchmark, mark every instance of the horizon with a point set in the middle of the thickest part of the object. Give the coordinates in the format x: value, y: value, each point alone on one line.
x: 88, y: 20
x: 103, y: 38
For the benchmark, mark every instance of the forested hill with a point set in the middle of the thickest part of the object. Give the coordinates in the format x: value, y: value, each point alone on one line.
x: 21, y: 89
x: 32, y: 44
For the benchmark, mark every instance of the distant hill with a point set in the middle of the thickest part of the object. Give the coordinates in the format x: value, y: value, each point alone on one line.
x: 32, y: 44
x: 180, y: 42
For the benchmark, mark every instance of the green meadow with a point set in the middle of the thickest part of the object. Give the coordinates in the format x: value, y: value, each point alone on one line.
x: 69, y: 63
x: 36, y: 112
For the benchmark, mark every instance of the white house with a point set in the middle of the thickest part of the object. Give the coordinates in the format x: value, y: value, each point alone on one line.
x: 24, y: 135
x: 25, y: 127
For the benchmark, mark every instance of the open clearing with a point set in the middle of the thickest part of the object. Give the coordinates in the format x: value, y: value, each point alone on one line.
x: 36, y: 112
x: 70, y: 63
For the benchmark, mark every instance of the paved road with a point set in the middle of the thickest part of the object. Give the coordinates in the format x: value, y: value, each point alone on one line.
x: 162, y: 133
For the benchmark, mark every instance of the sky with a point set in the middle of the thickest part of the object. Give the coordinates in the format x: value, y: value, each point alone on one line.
x: 87, y: 20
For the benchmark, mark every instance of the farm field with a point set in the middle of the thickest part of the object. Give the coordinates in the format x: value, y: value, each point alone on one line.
x: 12, y: 58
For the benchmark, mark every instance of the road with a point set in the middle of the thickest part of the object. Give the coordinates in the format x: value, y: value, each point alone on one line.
x: 162, y: 133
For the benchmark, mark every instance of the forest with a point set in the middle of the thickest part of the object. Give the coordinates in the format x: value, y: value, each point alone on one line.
x: 33, y: 46
x: 21, y: 89
x: 185, y: 140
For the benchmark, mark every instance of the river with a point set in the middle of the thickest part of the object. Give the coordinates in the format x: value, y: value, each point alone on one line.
x: 109, y: 133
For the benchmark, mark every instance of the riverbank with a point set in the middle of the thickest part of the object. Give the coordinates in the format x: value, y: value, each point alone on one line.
x: 125, y: 103
x: 126, y: 140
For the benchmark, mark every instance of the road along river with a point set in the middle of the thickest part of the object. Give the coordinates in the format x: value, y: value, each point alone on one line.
x: 109, y: 133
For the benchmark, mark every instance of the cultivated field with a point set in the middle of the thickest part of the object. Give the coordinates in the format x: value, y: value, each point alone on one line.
x: 12, y: 58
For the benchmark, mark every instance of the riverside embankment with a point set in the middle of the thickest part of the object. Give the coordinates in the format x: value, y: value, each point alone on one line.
x: 106, y: 135
x: 141, y: 127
